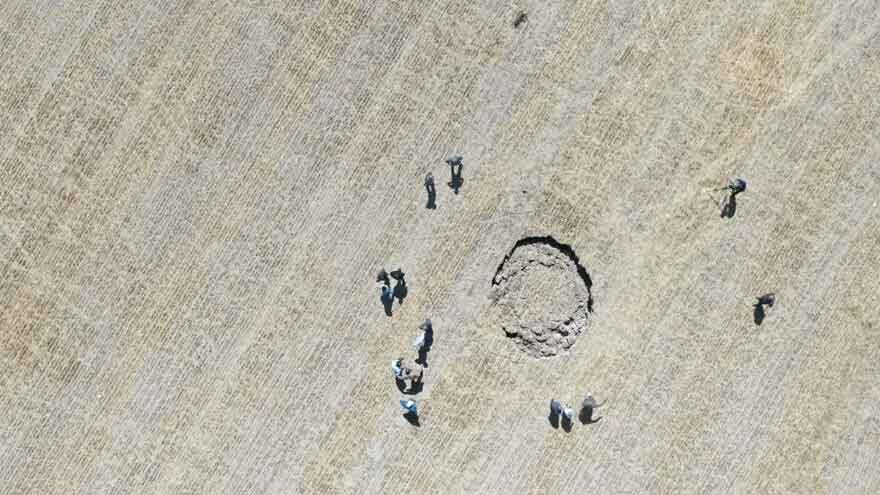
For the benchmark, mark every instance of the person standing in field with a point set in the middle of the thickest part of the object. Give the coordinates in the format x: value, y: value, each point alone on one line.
x: 567, y: 413
x: 424, y: 341
x: 728, y: 204
x: 587, y: 408
x: 400, y: 289
x: 768, y: 300
x: 432, y: 192
x: 456, y: 182
x: 559, y: 410
x: 386, y: 296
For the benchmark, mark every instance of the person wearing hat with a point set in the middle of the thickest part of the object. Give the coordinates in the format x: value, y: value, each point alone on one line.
x: 736, y: 186
x: 766, y: 300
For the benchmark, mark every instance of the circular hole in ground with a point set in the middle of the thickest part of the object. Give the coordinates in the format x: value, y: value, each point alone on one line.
x: 541, y: 296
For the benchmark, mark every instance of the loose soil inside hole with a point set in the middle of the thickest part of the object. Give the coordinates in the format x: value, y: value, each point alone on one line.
x: 542, y: 296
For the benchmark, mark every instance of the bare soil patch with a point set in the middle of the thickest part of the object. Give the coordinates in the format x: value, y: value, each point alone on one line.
x: 542, y: 296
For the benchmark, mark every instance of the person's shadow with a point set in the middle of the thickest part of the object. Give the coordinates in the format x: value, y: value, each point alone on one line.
x: 586, y: 416
x: 432, y: 198
x: 554, y: 420
x: 423, y: 356
x: 413, y: 419
x: 400, y: 291
x: 387, y: 299
x: 729, y: 209
x: 759, y: 314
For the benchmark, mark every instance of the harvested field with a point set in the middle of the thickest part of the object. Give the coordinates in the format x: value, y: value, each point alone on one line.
x: 195, y: 197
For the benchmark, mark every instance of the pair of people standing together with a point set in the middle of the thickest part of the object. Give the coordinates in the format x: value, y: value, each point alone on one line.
x: 455, y: 166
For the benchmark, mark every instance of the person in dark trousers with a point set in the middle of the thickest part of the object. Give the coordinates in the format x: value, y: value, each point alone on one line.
x: 555, y: 408
x: 386, y: 295
x: 432, y: 192
x: 424, y: 341
x: 456, y: 182
x: 427, y: 329
x: 400, y: 289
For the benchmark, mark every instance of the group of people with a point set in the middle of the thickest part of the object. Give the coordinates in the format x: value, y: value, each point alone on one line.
x: 455, y: 166
x: 409, y: 373
x: 559, y: 410
x: 733, y: 188
x: 386, y: 293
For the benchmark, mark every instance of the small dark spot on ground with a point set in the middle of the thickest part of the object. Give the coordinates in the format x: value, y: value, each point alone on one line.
x: 520, y: 19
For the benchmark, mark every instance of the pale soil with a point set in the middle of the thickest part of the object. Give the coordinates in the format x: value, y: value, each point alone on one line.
x: 195, y: 197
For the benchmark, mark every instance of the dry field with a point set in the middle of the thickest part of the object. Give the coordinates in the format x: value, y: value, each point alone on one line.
x: 195, y: 197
